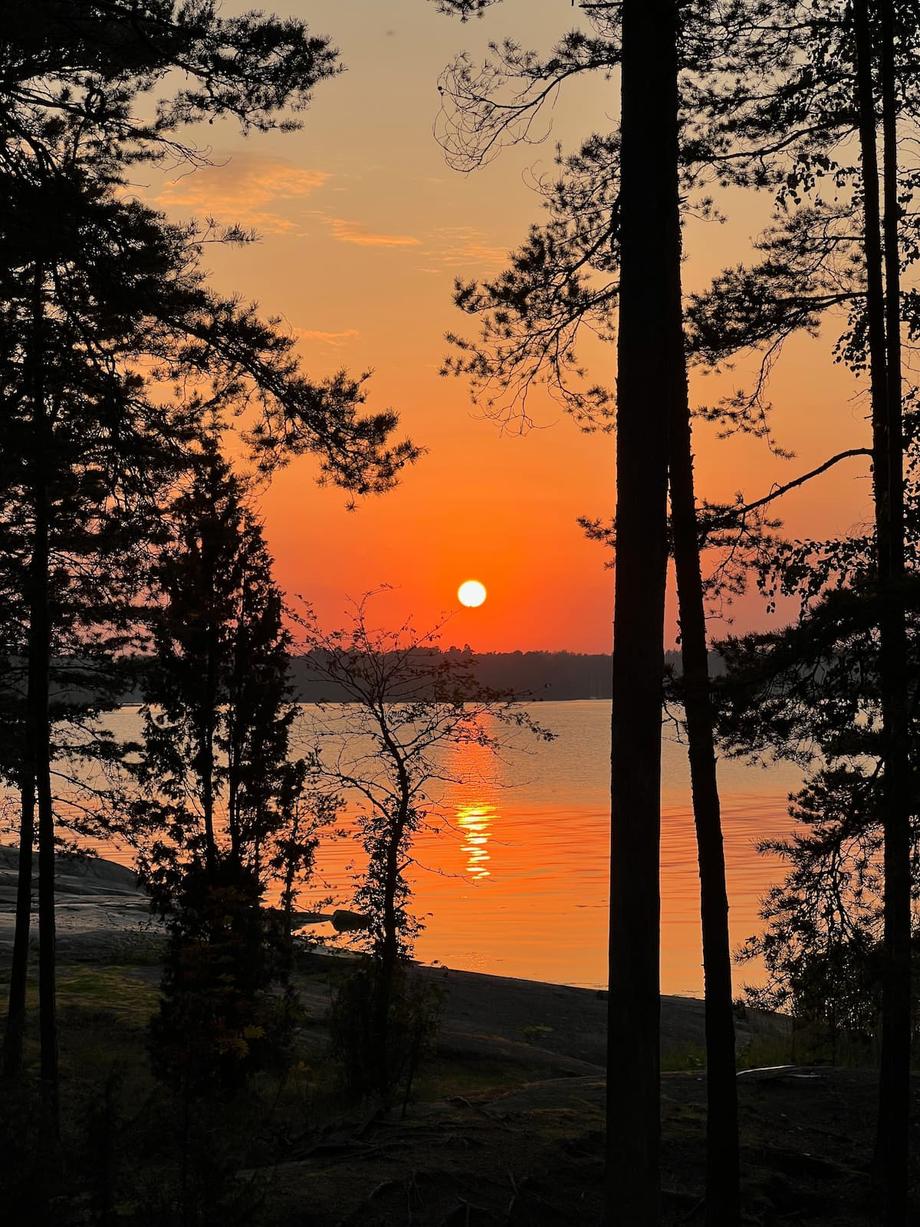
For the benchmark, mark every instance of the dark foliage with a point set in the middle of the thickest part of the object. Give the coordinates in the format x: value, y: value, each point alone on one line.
x: 382, y: 1026
x: 224, y: 1013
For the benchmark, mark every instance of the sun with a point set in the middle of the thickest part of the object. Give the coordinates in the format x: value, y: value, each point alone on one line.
x: 471, y: 593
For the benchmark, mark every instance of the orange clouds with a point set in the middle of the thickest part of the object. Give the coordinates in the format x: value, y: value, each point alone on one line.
x: 464, y: 247
x: 344, y: 231
x: 252, y: 190
x: 335, y: 339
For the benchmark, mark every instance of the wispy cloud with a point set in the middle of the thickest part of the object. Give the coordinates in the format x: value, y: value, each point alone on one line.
x: 463, y: 247
x: 344, y: 231
x: 335, y: 339
x: 249, y: 189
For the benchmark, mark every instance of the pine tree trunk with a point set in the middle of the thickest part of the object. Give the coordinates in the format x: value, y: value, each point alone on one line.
x: 209, y: 714
x: 19, y: 969
x: 234, y: 825
x: 47, y: 934
x: 722, y: 1163
x: 207, y: 800
x: 209, y: 717
x: 39, y: 733
x: 649, y: 377
x: 892, y: 1143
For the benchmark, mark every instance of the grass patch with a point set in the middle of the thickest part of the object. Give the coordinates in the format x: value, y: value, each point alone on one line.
x: 766, y: 1050
x: 440, y: 1078
x: 683, y: 1059
x: 121, y: 992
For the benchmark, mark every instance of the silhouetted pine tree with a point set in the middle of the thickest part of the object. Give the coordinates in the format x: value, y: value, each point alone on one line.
x: 650, y: 384
x: 884, y: 330
x: 216, y: 739
x: 218, y: 710
x: 820, y: 75
x: 95, y: 66
x: 561, y: 283
x: 811, y: 693
x: 75, y: 112
x: 80, y: 467
x: 110, y: 299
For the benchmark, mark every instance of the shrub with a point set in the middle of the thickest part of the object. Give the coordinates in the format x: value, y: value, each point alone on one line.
x: 381, y: 1026
x: 225, y: 1010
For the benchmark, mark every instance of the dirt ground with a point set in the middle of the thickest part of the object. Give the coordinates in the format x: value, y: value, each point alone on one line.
x: 504, y: 1126
x: 528, y: 1149
x: 533, y: 1155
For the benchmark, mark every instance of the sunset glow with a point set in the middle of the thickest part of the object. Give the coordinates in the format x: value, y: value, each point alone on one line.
x: 383, y: 239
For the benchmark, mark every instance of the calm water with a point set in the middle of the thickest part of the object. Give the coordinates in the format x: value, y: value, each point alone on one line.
x: 514, y: 881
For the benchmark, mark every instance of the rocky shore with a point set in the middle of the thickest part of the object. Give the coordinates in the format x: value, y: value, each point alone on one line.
x: 101, y: 910
x: 103, y: 915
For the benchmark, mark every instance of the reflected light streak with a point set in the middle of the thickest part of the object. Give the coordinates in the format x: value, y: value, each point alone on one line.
x: 475, y: 821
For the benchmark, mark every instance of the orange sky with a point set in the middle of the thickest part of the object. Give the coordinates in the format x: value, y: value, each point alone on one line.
x: 363, y: 228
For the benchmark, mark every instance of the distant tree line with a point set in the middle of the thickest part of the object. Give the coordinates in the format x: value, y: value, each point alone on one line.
x: 531, y: 676
x: 540, y: 676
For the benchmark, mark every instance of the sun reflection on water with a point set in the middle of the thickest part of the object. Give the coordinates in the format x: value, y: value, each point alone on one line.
x: 475, y: 822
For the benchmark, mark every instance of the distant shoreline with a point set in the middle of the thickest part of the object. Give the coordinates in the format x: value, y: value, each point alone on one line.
x: 533, y: 677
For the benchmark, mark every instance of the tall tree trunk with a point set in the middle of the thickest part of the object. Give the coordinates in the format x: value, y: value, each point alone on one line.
x: 209, y: 717
x: 892, y: 1145
x: 47, y: 935
x: 19, y: 970
x: 722, y: 1164
x: 234, y: 823
x: 389, y: 947
x: 649, y: 379
x: 39, y: 731
x: 207, y: 798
